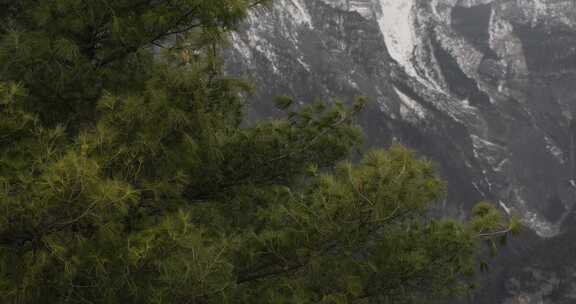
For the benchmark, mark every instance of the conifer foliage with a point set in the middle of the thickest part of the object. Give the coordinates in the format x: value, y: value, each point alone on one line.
x: 127, y: 176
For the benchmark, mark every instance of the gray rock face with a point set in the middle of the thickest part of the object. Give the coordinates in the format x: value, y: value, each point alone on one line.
x: 486, y: 88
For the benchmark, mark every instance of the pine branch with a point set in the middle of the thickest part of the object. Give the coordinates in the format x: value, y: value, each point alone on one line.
x: 169, y: 31
x: 495, y: 233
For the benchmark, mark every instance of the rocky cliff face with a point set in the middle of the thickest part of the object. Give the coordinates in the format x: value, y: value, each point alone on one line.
x: 487, y: 88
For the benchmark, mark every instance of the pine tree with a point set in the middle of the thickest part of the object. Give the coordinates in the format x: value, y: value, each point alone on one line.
x: 127, y: 175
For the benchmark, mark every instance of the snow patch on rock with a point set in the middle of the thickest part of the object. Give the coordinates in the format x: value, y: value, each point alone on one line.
x: 542, y: 227
x: 505, y: 207
x: 397, y: 26
x: 533, y: 220
x: 554, y: 150
x: 297, y: 9
x: 480, y: 142
x: 488, y: 152
x: 508, y: 47
x: 242, y: 48
x: 478, y: 189
x: 364, y: 7
x: 410, y: 109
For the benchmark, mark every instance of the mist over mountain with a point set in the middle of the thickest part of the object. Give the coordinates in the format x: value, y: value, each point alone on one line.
x: 486, y: 88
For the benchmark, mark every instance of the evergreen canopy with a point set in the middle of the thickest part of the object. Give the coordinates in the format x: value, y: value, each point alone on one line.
x: 126, y: 176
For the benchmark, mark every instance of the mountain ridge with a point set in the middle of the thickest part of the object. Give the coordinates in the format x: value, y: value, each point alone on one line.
x: 482, y: 87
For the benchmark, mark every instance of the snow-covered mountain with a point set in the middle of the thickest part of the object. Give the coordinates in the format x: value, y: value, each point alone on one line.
x: 487, y: 88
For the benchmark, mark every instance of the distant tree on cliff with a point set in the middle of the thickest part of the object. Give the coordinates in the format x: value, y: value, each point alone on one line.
x: 126, y: 176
